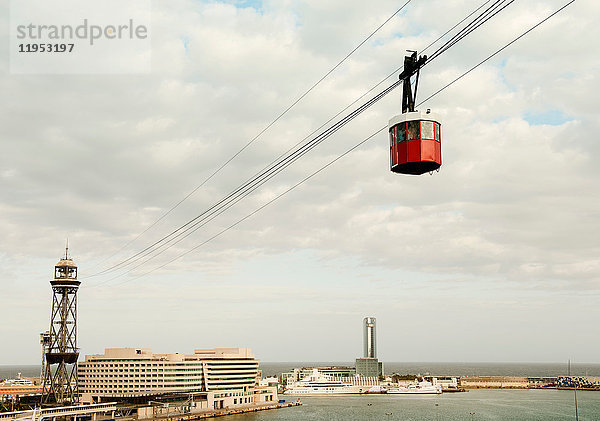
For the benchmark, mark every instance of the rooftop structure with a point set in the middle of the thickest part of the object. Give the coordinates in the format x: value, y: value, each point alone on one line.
x: 369, y: 367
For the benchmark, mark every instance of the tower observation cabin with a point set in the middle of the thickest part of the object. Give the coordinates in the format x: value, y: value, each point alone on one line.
x: 65, y: 273
x: 415, y: 136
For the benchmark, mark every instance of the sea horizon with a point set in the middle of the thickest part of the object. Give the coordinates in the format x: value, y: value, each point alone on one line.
x: 275, y: 368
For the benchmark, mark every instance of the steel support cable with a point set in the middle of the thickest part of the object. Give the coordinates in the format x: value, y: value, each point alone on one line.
x: 348, y: 151
x: 146, y: 251
x: 498, y: 51
x: 399, y: 69
x: 479, y: 21
x: 395, y: 72
x: 315, y: 131
x: 256, y: 175
x: 224, y: 230
x: 251, y: 185
x: 284, y: 112
x: 470, y: 25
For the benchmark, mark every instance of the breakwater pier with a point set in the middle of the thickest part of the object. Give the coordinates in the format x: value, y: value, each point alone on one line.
x: 517, y: 382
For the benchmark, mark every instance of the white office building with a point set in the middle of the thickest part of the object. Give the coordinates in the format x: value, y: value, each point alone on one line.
x: 220, y: 377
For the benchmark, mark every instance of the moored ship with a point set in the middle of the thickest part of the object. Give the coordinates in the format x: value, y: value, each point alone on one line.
x: 18, y: 387
x: 418, y: 388
x: 319, y: 384
x: 19, y: 381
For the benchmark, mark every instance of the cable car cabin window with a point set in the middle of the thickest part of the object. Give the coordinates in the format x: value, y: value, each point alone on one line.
x: 427, y: 130
x: 413, y: 130
x: 437, y: 131
x: 401, y: 132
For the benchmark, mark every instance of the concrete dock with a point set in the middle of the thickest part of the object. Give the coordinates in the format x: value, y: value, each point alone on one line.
x: 227, y: 411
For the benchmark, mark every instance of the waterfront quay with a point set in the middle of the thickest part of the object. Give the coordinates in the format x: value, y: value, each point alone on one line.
x: 108, y: 411
x: 163, y: 413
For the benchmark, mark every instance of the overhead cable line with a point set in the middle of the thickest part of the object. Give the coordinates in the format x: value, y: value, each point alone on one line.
x: 284, y: 112
x: 116, y: 266
x: 399, y: 69
x: 497, y: 52
x: 348, y: 151
x: 223, y: 231
x: 394, y: 73
x: 486, y: 15
x: 253, y: 183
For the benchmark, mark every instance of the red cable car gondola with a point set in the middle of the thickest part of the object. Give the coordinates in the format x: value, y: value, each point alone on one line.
x: 415, y: 136
x: 415, y: 143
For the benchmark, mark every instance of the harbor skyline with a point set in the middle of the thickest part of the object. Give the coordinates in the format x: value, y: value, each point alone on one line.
x: 486, y: 404
x: 270, y: 368
x: 494, y: 258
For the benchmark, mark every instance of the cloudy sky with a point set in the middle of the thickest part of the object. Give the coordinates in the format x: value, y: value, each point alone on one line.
x: 494, y: 258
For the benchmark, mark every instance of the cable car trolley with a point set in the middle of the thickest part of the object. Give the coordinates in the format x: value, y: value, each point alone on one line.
x: 415, y: 136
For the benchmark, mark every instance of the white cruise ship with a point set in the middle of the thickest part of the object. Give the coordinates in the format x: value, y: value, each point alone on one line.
x: 19, y: 381
x: 419, y: 388
x: 319, y: 384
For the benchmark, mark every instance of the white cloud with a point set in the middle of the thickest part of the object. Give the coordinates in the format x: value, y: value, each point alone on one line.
x: 514, y: 207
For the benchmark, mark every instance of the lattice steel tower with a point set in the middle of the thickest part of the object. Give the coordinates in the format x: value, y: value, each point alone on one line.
x: 60, y: 377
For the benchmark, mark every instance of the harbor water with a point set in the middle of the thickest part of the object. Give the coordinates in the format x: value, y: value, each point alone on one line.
x: 473, y: 405
x: 514, y: 405
x: 478, y: 404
